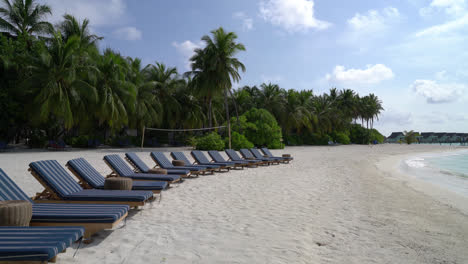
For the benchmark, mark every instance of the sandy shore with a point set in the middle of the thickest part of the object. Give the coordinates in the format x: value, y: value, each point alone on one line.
x: 342, y: 204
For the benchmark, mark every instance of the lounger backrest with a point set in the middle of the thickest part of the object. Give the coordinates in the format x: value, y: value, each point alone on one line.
x: 232, y: 154
x: 9, y: 191
x: 137, y: 161
x: 200, y: 157
x: 162, y: 161
x: 216, y: 156
x: 119, y: 165
x: 256, y: 153
x: 180, y: 156
x: 267, y: 152
x: 87, y: 172
x: 246, y: 153
x: 56, y: 177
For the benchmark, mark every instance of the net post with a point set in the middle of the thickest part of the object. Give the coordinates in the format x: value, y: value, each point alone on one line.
x: 229, y: 132
x: 143, y: 136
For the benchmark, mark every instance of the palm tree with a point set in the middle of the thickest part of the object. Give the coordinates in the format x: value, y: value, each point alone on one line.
x: 72, y: 27
x: 117, y: 95
x: 214, y: 68
x: 273, y: 99
x: 166, y: 83
x: 24, y: 17
x: 148, y: 107
x: 57, y: 85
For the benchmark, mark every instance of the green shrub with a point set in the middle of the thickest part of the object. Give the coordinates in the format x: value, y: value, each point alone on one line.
x: 260, y: 127
x: 360, y: 135
x: 342, y: 138
x: 238, y: 141
x: 212, y: 141
x: 37, y: 139
x: 80, y: 142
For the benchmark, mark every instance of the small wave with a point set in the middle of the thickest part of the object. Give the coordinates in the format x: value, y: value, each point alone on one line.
x: 415, y: 163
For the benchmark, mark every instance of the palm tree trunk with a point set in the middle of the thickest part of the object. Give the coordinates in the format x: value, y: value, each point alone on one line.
x: 227, y: 115
x: 210, y: 118
x: 237, y: 112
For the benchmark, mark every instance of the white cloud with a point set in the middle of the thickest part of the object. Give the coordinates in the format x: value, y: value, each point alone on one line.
x: 453, y: 25
x: 186, y: 49
x: 374, y: 20
x: 450, y: 7
x: 292, y: 15
x: 371, y: 75
x: 100, y: 13
x: 247, y: 22
x: 396, y: 117
x: 436, y: 93
x: 128, y: 33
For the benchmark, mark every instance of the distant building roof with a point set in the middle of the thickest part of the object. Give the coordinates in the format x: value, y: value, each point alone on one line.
x: 396, y: 134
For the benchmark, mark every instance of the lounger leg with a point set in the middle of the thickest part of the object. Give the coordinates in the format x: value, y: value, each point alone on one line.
x: 53, y: 260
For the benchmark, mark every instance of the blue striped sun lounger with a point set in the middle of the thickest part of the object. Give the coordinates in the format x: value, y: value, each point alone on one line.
x: 61, y: 187
x: 120, y: 168
x: 216, y: 156
x: 209, y: 167
x: 201, y: 159
x: 36, y: 244
x: 232, y: 154
x: 140, y: 166
x: 164, y: 163
x: 94, y: 217
x: 92, y: 179
x: 260, y: 156
x: 246, y: 154
x: 269, y: 154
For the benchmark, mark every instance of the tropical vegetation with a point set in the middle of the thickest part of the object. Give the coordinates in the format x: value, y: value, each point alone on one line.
x: 57, y: 84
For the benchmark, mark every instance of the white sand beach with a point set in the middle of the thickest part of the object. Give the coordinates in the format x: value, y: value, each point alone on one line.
x: 345, y: 204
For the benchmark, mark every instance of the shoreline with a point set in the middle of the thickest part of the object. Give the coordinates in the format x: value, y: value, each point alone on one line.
x: 393, y: 168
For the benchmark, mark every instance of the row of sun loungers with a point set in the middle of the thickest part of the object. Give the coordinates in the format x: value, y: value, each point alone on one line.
x: 67, y: 210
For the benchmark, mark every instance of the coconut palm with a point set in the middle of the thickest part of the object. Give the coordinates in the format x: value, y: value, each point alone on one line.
x: 117, y: 95
x: 214, y: 68
x: 24, y: 17
x: 57, y: 83
x: 70, y: 26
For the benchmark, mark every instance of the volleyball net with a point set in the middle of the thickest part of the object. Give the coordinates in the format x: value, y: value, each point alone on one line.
x: 162, y: 137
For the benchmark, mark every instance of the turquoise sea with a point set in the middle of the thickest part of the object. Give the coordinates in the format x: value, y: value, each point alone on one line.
x: 447, y: 170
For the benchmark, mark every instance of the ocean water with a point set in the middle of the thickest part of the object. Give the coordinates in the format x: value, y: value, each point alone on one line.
x: 447, y: 170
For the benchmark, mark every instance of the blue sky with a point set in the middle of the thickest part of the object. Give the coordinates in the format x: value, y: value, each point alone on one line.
x: 410, y: 53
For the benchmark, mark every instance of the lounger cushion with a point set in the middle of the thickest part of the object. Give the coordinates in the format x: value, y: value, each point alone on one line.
x: 36, y: 243
x: 153, y: 177
x: 96, y: 180
x: 202, y: 160
x: 77, y: 213
x: 233, y: 155
x: 218, y: 158
x: 118, y: 164
x: 163, y: 162
x: 57, y: 178
x: 259, y: 155
x: 137, y: 162
x: 87, y: 172
x: 269, y: 154
x: 109, y: 196
x: 9, y: 191
x: 181, y: 156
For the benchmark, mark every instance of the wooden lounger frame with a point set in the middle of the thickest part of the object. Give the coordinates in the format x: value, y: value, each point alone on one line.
x: 86, y: 185
x: 249, y: 165
x: 90, y: 228
x: 137, y: 170
x: 196, y: 173
x: 52, y: 260
x: 49, y: 196
x: 227, y: 168
x: 114, y: 173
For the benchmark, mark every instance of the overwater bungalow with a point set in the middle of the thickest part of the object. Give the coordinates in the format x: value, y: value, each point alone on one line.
x: 395, y: 137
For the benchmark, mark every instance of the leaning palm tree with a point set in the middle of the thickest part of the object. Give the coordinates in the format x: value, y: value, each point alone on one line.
x: 215, y: 67
x: 24, y: 17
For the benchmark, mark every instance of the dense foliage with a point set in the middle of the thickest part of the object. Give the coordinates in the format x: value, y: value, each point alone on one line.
x: 55, y: 83
x: 239, y: 141
x: 211, y: 141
